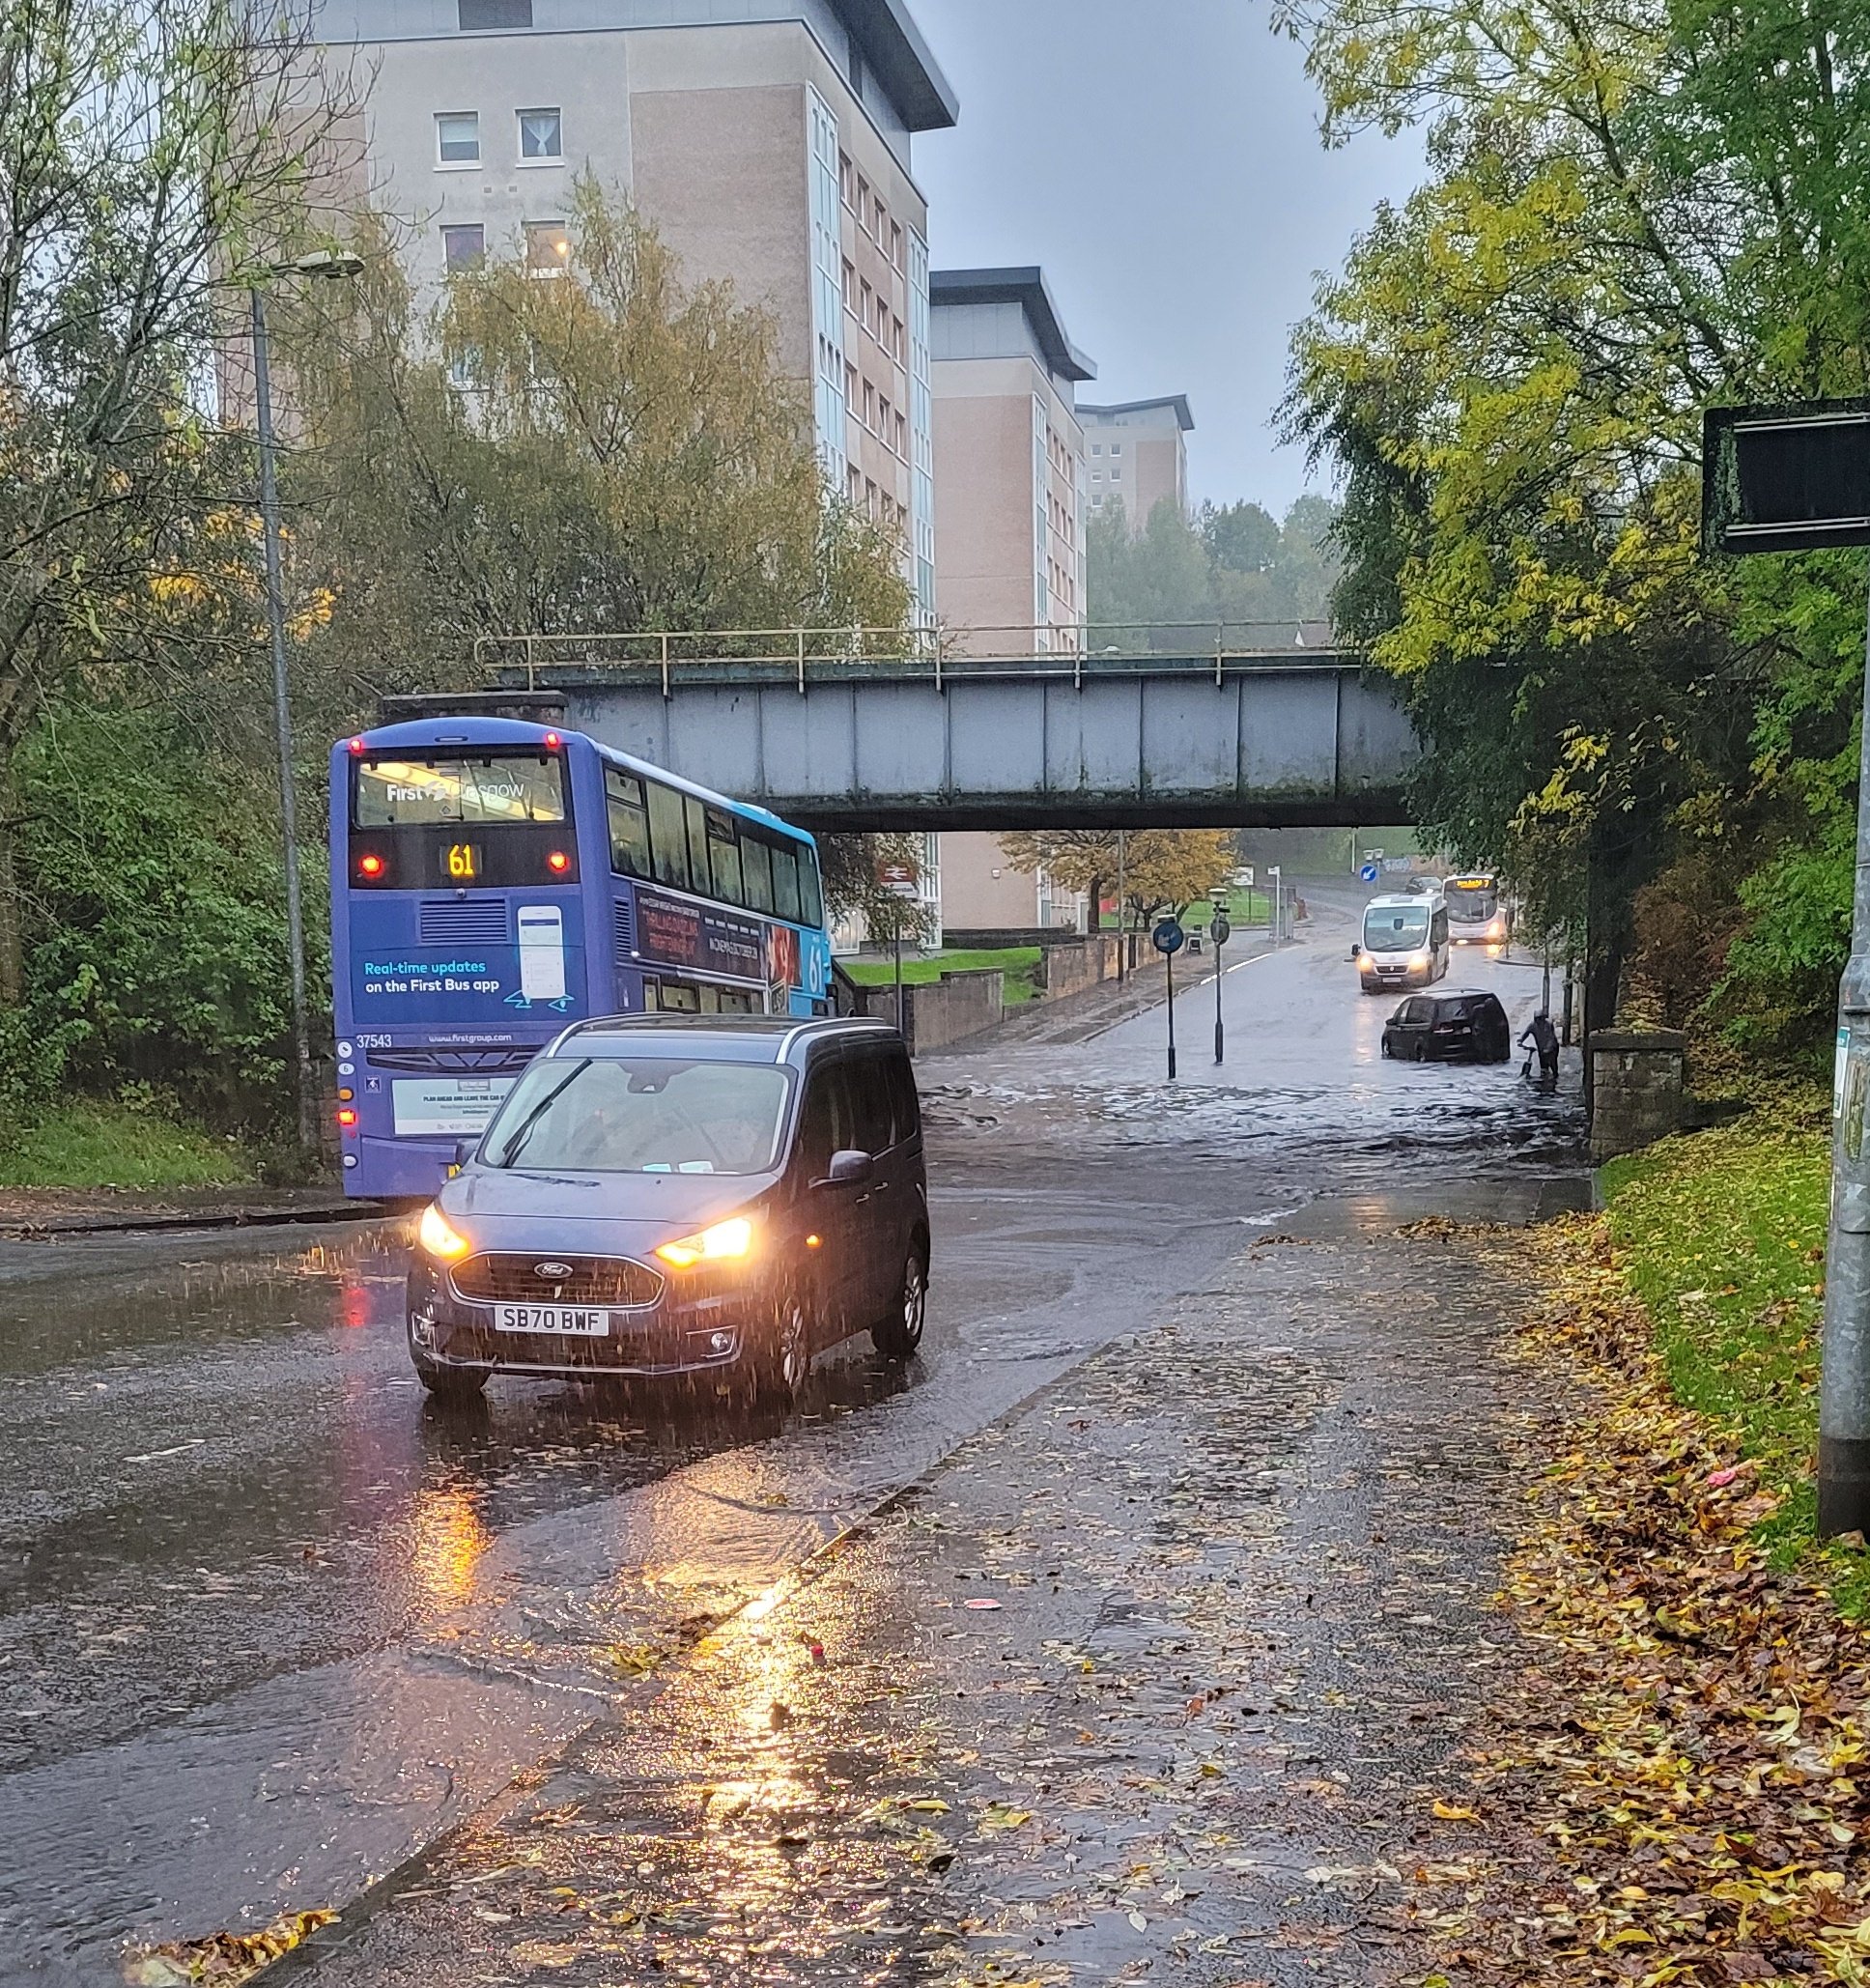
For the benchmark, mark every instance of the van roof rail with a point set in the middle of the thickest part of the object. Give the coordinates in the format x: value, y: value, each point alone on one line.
x: 526, y: 707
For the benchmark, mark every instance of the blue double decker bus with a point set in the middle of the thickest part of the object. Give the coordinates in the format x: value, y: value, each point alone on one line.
x: 492, y: 880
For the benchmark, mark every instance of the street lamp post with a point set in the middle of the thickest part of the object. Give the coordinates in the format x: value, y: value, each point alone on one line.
x: 329, y: 267
x: 1123, y: 908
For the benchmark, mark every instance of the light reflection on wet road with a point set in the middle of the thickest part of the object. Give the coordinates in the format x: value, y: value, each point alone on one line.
x: 267, y: 1619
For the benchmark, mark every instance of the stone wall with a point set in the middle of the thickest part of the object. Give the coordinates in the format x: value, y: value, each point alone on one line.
x: 947, y: 1010
x: 1636, y: 1088
x: 1073, y: 969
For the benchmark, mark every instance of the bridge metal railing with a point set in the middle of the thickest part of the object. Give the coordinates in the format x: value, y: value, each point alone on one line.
x: 942, y: 650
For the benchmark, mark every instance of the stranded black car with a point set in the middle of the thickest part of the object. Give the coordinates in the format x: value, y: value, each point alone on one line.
x: 665, y: 1195
x: 1464, y: 1026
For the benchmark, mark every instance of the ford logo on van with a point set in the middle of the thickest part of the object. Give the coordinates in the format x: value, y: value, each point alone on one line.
x: 552, y: 1273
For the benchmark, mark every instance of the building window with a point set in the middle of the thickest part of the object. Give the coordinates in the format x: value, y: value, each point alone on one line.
x: 494, y: 14
x: 850, y: 385
x: 542, y: 135
x: 898, y: 341
x: 850, y: 288
x: 463, y: 247
x: 846, y: 179
x: 457, y: 137
x: 895, y: 245
x: 1097, y: 448
x: 548, y: 249
x: 1117, y: 448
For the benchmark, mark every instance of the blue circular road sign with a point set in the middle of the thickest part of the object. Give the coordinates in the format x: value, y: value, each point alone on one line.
x: 1168, y: 936
x: 1369, y: 872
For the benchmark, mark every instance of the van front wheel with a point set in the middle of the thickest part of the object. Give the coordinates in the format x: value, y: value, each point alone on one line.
x: 899, y: 1331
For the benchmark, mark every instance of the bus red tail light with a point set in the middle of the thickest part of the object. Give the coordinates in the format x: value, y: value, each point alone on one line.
x: 346, y: 1118
x: 370, y: 865
x: 552, y: 742
x: 558, y: 863
x: 357, y: 746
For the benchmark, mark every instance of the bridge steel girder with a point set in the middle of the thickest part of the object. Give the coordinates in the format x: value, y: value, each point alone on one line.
x: 1257, y: 742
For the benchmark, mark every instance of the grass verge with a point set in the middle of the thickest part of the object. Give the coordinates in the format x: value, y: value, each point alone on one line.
x: 1017, y: 962
x: 1721, y: 1237
x: 85, y: 1142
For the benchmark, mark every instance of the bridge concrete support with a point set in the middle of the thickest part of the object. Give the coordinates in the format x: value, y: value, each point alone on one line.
x: 1250, y: 741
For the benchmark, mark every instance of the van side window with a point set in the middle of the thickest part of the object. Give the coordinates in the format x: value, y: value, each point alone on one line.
x: 902, y: 1091
x: 828, y: 1122
x: 875, y: 1106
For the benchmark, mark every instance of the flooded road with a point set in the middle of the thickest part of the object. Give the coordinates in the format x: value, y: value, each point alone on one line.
x: 269, y: 1620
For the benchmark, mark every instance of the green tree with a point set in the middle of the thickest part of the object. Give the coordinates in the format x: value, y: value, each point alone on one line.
x: 1233, y: 564
x: 606, y: 453
x: 1629, y: 212
x: 152, y: 153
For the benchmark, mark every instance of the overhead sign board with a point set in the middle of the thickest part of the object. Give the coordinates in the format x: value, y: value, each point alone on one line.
x: 1788, y: 480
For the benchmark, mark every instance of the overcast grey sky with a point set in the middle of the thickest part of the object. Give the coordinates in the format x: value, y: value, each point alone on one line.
x: 1161, y: 159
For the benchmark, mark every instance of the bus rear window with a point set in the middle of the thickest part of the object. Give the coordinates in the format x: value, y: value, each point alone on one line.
x: 441, y: 789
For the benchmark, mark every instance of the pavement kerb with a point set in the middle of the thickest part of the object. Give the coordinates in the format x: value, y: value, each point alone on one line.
x: 319, y: 1214
x: 358, y: 1913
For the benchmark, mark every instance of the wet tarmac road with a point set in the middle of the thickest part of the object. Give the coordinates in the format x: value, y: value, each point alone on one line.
x: 268, y: 1621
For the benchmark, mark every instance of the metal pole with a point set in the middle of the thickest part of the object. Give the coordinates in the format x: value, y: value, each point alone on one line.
x: 1169, y: 967
x: 1220, y: 1031
x: 1843, y: 1391
x: 282, y: 727
x: 899, y: 922
x: 1122, y: 909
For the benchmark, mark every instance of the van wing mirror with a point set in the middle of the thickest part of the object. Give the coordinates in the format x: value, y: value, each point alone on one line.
x: 464, y: 1150
x: 1354, y: 948
x: 850, y: 1169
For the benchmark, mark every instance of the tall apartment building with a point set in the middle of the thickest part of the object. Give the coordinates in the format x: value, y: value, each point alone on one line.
x: 1009, y: 483
x: 1138, y: 456
x: 1010, y: 457
x: 769, y: 141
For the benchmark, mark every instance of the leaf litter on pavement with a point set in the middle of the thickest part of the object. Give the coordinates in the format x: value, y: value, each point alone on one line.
x: 1679, y: 1790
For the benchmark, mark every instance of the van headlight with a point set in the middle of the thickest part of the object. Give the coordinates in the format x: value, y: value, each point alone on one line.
x: 727, y: 1243
x: 438, y: 1239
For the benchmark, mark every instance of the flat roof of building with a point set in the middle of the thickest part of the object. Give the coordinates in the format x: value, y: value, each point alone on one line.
x: 1026, y: 286
x: 1176, y: 402
x: 892, y: 44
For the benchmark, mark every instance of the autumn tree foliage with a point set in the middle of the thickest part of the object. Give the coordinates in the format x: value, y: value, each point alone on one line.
x: 606, y: 451
x: 1629, y: 212
x: 1162, y: 871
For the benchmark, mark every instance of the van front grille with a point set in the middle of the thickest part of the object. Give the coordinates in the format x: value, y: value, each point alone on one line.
x: 588, y: 1281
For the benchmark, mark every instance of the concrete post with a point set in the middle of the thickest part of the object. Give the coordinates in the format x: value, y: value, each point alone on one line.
x: 1844, y: 1393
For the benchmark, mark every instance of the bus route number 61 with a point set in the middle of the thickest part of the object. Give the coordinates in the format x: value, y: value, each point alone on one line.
x: 463, y: 862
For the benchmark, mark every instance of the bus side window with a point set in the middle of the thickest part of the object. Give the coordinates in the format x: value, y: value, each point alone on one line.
x: 1438, y: 934
x: 701, y: 879
x: 756, y: 862
x: 628, y: 825
x: 668, y: 835
x: 785, y: 883
x: 724, y: 841
x: 811, y: 897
